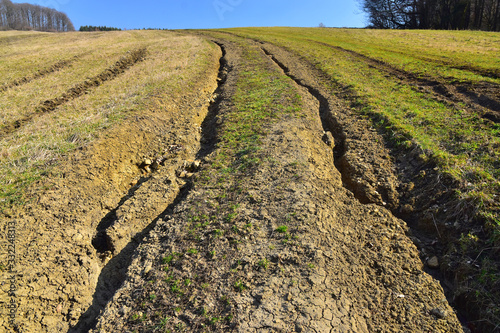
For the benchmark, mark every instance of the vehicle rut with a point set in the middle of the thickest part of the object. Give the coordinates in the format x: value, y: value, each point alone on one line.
x: 280, y: 247
x: 122, y: 65
x: 113, y: 240
x: 41, y: 73
x: 480, y: 96
x: 361, y: 178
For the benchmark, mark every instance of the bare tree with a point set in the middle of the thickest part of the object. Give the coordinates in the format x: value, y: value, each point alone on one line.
x: 27, y: 16
x: 433, y: 14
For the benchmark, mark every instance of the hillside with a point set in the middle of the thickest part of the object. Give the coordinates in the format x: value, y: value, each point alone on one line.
x: 257, y: 179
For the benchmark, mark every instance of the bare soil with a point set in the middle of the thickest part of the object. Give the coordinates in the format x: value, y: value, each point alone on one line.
x: 105, y: 246
x: 345, y: 264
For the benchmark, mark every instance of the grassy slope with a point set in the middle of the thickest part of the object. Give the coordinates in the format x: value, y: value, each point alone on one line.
x: 461, y: 143
x: 29, y: 152
x: 459, y: 55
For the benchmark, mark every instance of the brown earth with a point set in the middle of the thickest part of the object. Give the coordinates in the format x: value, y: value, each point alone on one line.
x: 341, y: 266
x: 92, y: 247
x: 61, y: 263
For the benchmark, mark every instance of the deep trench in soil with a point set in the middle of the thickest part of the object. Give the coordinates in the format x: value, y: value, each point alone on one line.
x: 113, y: 274
x: 330, y: 124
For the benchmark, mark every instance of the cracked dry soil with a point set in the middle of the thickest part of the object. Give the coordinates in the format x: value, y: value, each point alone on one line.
x: 110, y: 247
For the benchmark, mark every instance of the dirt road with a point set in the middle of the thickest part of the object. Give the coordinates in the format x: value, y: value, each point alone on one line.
x: 301, y: 240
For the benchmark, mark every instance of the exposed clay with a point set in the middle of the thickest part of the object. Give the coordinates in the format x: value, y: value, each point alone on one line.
x: 341, y: 266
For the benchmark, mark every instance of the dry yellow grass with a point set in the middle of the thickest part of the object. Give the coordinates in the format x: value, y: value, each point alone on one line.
x: 171, y: 62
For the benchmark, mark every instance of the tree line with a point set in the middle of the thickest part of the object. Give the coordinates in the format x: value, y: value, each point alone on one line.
x: 100, y: 28
x: 25, y: 16
x: 433, y: 14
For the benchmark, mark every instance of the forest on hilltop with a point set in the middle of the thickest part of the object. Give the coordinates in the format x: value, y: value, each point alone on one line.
x: 433, y: 14
x: 25, y: 16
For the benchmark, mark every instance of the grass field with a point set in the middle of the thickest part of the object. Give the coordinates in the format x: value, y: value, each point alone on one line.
x: 431, y: 97
x: 44, y: 137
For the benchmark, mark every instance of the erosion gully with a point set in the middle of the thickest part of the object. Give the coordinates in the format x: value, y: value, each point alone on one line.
x: 332, y: 125
x: 117, y: 252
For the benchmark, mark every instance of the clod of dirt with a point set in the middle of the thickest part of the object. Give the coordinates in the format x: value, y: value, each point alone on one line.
x: 433, y: 262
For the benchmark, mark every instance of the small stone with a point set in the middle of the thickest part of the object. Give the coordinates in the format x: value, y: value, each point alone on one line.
x: 183, y: 174
x: 196, y: 165
x: 148, y: 267
x: 433, y: 262
x: 439, y: 313
x: 147, y: 161
x: 328, y: 139
x: 78, y: 237
x: 59, y: 308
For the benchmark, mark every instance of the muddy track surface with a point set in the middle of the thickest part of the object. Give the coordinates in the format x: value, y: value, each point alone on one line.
x: 41, y: 73
x: 288, y: 248
x: 78, y: 90
x: 77, y: 238
x: 479, y: 97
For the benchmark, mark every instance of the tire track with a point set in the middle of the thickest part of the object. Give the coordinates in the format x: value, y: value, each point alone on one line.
x: 111, y: 241
x: 78, y: 90
x: 480, y: 97
x: 244, y: 284
x: 361, y: 180
x: 41, y: 73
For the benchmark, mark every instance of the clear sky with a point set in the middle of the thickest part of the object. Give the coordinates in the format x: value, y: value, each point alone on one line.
x: 195, y: 14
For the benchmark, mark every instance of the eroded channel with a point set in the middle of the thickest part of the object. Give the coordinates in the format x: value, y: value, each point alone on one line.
x: 119, y: 233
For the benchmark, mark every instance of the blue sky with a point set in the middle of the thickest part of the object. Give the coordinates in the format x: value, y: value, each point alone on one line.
x: 195, y: 14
